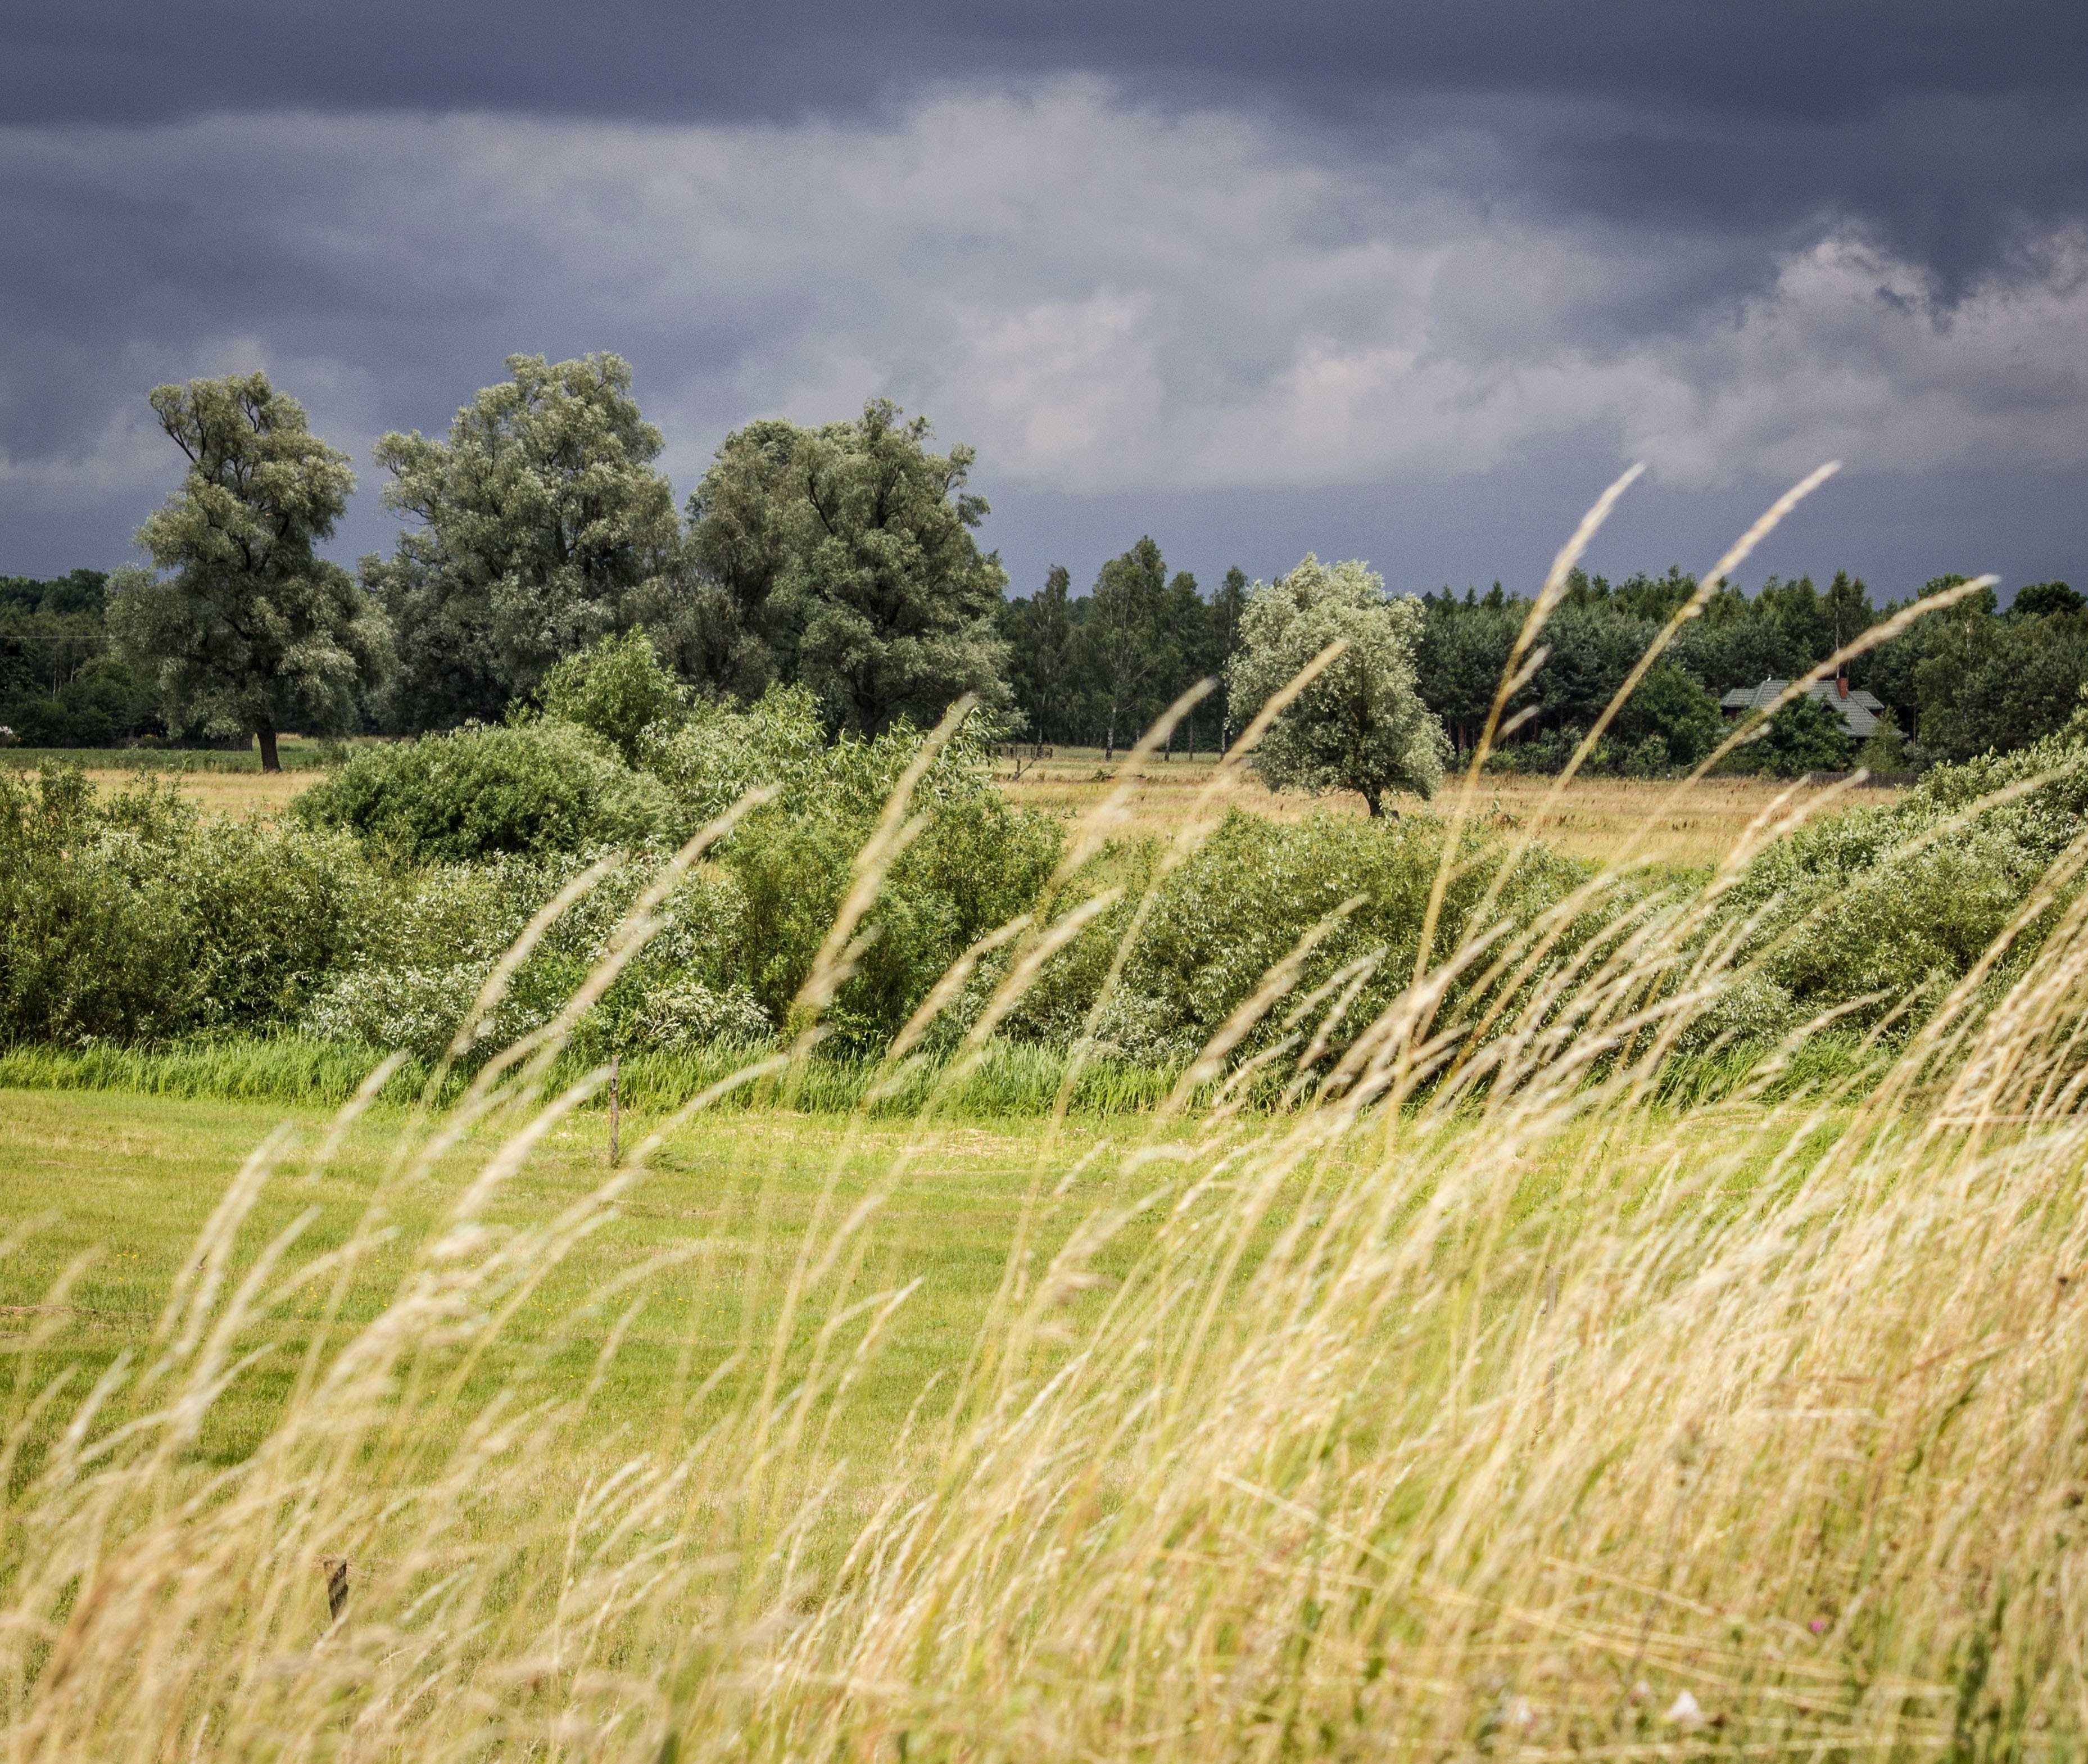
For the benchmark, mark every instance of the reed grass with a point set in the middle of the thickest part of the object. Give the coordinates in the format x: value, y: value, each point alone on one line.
x: 1012, y: 1079
x: 1525, y: 1387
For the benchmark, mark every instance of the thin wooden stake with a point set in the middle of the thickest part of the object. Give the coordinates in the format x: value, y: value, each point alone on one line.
x: 615, y: 1062
x: 336, y: 1574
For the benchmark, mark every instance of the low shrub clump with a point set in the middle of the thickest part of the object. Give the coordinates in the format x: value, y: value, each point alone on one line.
x: 484, y: 791
x: 128, y: 916
x: 1883, y: 911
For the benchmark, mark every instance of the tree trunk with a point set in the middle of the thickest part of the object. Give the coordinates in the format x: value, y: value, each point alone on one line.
x: 267, y: 737
x: 1375, y: 803
x: 1109, y: 741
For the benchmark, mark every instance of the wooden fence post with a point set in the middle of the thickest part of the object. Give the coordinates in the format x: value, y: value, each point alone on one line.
x: 336, y: 1574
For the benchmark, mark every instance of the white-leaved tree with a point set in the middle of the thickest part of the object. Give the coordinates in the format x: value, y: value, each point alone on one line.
x: 1362, y: 725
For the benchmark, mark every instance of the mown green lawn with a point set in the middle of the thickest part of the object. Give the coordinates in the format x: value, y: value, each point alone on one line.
x: 118, y: 1187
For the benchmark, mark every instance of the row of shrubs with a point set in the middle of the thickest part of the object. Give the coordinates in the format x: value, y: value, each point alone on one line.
x: 370, y: 914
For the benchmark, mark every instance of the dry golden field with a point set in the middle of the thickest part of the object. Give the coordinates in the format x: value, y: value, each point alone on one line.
x: 1691, y: 826
x: 219, y: 791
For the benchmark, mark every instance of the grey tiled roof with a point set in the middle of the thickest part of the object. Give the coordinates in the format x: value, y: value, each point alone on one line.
x: 1858, y: 710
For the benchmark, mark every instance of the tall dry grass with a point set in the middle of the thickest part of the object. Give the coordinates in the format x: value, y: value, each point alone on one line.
x: 1479, y: 1402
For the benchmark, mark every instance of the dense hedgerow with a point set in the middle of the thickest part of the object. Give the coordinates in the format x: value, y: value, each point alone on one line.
x: 1902, y: 901
x: 373, y: 914
x: 1244, y: 900
x: 740, y: 933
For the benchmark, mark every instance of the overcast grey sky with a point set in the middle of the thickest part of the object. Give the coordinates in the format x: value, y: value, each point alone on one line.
x: 1402, y: 281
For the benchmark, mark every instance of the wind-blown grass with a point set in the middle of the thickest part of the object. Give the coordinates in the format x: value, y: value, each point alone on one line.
x: 1500, y: 1395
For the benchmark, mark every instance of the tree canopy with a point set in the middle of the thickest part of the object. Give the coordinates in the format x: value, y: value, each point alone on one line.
x: 541, y: 526
x: 842, y: 558
x: 248, y: 631
x: 1362, y: 725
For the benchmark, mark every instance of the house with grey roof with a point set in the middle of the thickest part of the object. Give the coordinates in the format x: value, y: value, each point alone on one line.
x: 1857, y: 708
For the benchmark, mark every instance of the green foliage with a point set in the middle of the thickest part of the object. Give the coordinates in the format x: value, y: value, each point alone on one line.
x: 542, y: 527
x: 1902, y: 901
x: 2039, y: 600
x: 1883, y: 752
x: 617, y: 690
x: 975, y: 862
x: 1987, y: 684
x: 1461, y: 657
x: 841, y: 558
x: 1127, y: 650
x: 251, y: 631
x: 129, y: 917
x: 59, y: 686
x: 1361, y: 725
x: 1242, y: 902
x: 1671, y: 710
x: 1100, y: 668
x: 741, y: 934
x: 1044, y: 656
x: 1804, y: 736
x: 530, y: 788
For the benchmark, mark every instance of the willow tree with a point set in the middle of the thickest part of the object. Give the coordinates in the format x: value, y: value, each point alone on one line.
x: 844, y: 556
x: 243, y: 629
x: 539, y: 527
x: 1361, y: 725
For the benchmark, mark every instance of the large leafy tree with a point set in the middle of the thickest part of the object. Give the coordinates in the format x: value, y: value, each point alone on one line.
x: 1362, y: 725
x: 541, y: 526
x: 842, y: 558
x: 244, y: 628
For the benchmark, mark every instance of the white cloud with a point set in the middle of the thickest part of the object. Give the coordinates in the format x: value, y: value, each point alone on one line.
x: 1097, y: 294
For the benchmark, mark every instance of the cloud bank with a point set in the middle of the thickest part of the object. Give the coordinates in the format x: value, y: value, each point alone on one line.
x: 1108, y: 296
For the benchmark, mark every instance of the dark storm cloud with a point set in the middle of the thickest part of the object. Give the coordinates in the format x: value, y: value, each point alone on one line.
x: 1957, y: 133
x: 1406, y: 282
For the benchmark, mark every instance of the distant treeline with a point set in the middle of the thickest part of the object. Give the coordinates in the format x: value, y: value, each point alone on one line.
x: 1090, y: 668
x: 1096, y: 668
x: 60, y: 684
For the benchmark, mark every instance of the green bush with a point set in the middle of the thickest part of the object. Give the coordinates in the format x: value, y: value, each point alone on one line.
x: 975, y: 863
x: 1889, y: 900
x: 417, y: 975
x: 707, y: 763
x: 1243, y: 901
x: 617, y: 691
x: 130, y: 918
x: 1669, y: 722
x: 477, y: 792
x: 1804, y: 736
